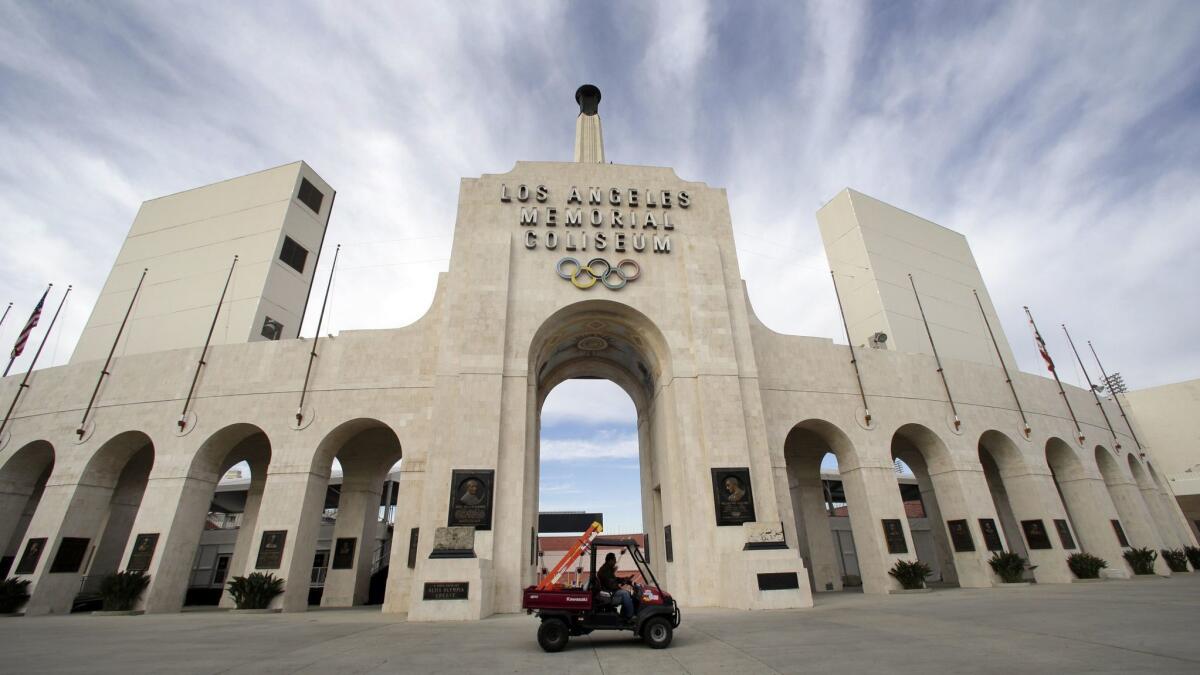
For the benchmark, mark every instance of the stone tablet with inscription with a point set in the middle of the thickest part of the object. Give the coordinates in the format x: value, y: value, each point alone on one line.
x: 142, y: 553
x: 471, y: 498
x: 960, y: 536
x: 991, y: 535
x: 33, y: 553
x: 343, y: 553
x: 893, y: 534
x: 1036, y: 535
x: 270, y: 550
x: 446, y: 590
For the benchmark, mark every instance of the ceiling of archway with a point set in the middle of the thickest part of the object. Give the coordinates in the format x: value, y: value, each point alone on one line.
x: 598, y: 339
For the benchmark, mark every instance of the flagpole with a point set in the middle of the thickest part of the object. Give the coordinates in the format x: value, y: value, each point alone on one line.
x: 853, y: 357
x: 182, y: 423
x: 35, y: 309
x: 1007, y: 377
x: 1115, y: 396
x: 25, y: 380
x: 937, y: 359
x: 2, y: 318
x: 313, y: 353
x: 1116, y: 441
x: 1050, y: 362
x: 104, y: 369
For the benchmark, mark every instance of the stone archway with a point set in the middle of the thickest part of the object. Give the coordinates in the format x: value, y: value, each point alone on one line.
x: 1088, y: 505
x: 1135, y: 517
x: 1171, y: 507
x: 22, y: 479
x: 1159, y: 516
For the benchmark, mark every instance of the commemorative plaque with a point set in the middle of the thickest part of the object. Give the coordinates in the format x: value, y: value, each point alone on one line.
x: 343, y: 553
x: 446, y: 590
x: 991, y: 536
x: 270, y: 550
x: 1120, y: 534
x: 414, y: 535
x: 1064, y: 534
x: 893, y: 534
x: 733, y: 496
x: 471, y: 498
x: 960, y: 536
x: 143, y: 552
x: 33, y: 553
x: 668, y: 550
x: 70, y: 554
x: 1036, y: 535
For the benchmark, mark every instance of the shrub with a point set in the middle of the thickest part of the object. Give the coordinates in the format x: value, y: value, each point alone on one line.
x: 256, y: 590
x: 1193, y: 556
x: 1141, y: 560
x: 1009, y: 566
x: 120, y: 591
x: 910, y: 574
x: 1176, y: 559
x: 13, y: 593
x: 1086, y: 565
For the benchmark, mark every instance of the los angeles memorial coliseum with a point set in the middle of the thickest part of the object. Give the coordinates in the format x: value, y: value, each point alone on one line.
x: 559, y: 270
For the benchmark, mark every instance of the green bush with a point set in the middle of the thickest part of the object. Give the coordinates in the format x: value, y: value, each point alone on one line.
x: 1086, y: 565
x: 1009, y: 566
x: 256, y: 590
x: 910, y: 574
x: 1141, y: 560
x: 1193, y: 556
x: 1176, y: 559
x: 120, y: 591
x: 13, y: 593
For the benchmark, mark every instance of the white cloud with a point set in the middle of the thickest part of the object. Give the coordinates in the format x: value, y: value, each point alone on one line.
x: 576, y: 449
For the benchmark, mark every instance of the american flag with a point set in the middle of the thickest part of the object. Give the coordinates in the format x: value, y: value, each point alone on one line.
x: 29, y: 325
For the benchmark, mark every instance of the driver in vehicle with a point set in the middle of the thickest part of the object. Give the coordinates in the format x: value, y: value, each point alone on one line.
x: 609, y: 581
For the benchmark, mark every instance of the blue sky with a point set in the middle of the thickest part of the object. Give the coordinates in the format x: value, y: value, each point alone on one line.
x: 1061, y: 138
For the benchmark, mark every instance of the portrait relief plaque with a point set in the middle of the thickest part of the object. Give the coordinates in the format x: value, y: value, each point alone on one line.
x: 343, y: 553
x: 733, y: 496
x: 142, y: 553
x: 960, y: 536
x: 991, y: 536
x: 1064, y: 534
x: 270, y: 550
x: 471, y: 498
x: 1120, y: 534
x: 446, y: 590
x: 893, y: 534
x: 1036, y: 535
x: 668, y: 549
x: 69, y: 558
x: 33, y: 553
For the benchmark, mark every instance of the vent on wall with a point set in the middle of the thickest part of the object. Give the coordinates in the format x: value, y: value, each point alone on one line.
x: 310, y: 196
x: 293, y: 254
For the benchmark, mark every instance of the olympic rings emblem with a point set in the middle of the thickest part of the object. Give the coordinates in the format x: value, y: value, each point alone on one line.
x: 612, y: 276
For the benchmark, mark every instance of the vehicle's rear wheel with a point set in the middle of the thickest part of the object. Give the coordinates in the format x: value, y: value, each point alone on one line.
x: 657, y: 632
x: 553, y: 635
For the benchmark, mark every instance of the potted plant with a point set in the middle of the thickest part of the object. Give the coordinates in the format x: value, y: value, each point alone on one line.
x: 13, y: 593
x: 1086, y: 565
x: 120, y: 591
x: 1193, y: 556
x: 910, y: 573
x: 1009, y: 566
x: 1176, y: 559
x: 1141, y: 560
x: 255, y: 590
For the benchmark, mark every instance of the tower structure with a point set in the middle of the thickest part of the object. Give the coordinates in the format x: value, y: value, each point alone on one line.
x: 589, y: 139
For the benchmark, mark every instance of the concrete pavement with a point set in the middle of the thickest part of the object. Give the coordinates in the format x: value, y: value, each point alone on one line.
x: 1117, y: 626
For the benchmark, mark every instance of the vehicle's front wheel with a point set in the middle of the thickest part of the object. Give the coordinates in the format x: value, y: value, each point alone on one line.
x: 553, y: 635
x: 657, y: 632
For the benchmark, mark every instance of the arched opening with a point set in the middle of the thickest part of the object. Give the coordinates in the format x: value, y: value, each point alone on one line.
x: 616, y: 451
x: 926, y: 455
x: 999, y: 456
x: 1172, y: 508
x: 234, y: 461
x: 22, y: 479
x: 1154, y: 504
x: 1068, y: 474
x: 1134, y: 526
x: 823, y: 503
x: 352, y: 543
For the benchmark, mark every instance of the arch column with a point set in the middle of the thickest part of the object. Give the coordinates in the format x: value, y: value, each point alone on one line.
x: 18, y: 503
x: 245, y: 542
x: 872, y: 495
x: 1135, y: 517
x: 813, y: 534
x: 933, y: 514
x: 1091, y: 512
x: 1032, y: 496
x: 358, y: 509
x: 963, y: 494
x: 408, y: 516
x: 1160, y: 517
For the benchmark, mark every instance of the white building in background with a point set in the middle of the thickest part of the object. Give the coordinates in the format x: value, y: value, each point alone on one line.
x: 274, y: 220
x: 561, y: 270
x: 1166, y: 422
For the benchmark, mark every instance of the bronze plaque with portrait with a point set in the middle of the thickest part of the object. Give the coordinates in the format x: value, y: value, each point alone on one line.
x: 471, y: 498
x: 270, y: 550
x: 1121, y: 538
x: 1064, y: 534
x: 733, y: 496
x: 991, y: 535
x: 1036, y: 535
x: 343, y: 553
x: 960, y: 536
x: 142, y: 553
x: 33, y: 553
x: 893, y: 534
x: 668, y: 547
x: 69, y: 558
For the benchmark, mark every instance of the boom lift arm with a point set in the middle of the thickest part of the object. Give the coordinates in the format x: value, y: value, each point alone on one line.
x: 580, y: 547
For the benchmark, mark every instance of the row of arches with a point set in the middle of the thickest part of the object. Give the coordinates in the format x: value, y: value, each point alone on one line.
x: 952, y: 512
x: 132, y: 506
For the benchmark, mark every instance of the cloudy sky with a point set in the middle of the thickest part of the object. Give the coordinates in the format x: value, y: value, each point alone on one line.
x: 1061, y: 138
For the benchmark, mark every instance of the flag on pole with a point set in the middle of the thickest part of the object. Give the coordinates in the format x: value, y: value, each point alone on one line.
x: 1041, y: 345
x: 29, y: 325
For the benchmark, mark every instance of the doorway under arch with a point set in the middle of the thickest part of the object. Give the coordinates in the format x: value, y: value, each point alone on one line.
x: 22, y: 480
x: 926, y: 455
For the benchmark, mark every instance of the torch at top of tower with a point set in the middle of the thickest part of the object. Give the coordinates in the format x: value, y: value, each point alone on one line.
x: 589, y: 140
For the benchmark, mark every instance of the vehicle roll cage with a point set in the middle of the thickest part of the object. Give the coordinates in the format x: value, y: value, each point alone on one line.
x: 635, y: 552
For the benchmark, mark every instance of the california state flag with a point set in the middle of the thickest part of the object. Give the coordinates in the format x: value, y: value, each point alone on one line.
x: 1041, y: 345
